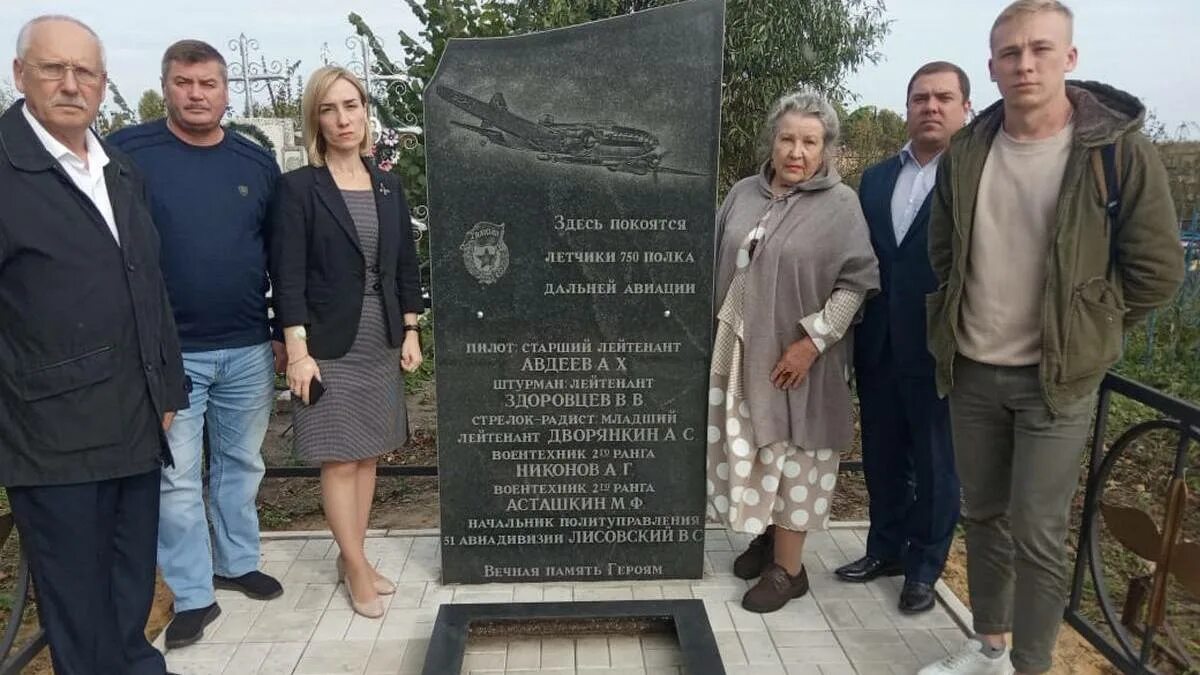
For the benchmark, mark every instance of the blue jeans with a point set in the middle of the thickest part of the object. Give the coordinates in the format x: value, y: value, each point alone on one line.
x: 232, y: 392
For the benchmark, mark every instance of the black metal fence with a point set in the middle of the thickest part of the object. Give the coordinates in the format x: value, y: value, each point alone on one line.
x: 1127, y: 635
x: 13, y: 660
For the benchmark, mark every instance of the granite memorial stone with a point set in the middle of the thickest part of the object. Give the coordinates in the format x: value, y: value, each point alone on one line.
x: 572, y: 189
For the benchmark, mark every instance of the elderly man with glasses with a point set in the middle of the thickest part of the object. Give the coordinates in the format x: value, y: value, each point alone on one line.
x: 90, y: 367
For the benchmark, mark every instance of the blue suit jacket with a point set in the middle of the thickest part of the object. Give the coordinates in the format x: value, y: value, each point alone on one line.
x: 892, y: 332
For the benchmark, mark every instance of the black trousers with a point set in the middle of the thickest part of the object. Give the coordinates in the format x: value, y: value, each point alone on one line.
x: 908, y: 462
x: 92, y: 550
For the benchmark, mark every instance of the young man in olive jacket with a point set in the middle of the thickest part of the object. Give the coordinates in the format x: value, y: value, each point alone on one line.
x: 90, y: 367
x: 1037, y: 283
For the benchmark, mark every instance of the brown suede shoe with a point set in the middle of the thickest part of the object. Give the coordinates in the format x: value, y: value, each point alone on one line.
x: 751, y: 563
x: 774, y: 589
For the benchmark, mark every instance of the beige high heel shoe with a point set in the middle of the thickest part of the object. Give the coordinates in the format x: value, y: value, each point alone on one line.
x: 382, y: 586
x: 372, y: 609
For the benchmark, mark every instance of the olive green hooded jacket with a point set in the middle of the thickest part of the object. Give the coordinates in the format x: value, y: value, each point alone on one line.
x: 1087, y: 304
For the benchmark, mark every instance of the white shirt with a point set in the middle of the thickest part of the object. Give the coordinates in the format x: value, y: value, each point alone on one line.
x: 88, y: 176
x: 913, y: 185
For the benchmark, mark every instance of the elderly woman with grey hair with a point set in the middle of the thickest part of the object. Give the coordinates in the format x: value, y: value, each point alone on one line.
x: 794, y: 265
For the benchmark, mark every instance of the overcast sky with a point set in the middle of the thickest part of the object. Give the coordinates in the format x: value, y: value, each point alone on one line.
x: 1146, y: 47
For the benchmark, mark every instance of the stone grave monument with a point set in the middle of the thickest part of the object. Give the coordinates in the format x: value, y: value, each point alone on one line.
x: 572, y: 189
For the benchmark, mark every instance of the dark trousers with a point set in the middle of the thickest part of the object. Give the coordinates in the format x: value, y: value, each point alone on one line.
x: 908, y: 459
x: 91, y: 549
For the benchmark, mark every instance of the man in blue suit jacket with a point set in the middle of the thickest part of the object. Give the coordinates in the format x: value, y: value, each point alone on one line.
x: 907, y: 453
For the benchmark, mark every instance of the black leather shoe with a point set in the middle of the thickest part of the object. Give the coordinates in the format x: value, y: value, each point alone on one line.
x: 917, y: 597
x: 188, y: 625
x: 255, y: 585
x: 867, y: 569
x: 761, y: 553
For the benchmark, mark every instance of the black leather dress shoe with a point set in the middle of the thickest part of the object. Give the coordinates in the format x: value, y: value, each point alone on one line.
x: 867, y: 568
x: 917, y: 597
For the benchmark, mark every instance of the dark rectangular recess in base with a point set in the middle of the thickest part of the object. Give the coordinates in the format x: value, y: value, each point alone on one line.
x: 453, y: 627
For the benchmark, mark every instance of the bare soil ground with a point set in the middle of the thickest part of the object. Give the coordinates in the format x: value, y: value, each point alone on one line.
x: 1072, y: 655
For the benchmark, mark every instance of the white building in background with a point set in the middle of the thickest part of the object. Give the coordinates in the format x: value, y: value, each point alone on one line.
x: 287, y: 139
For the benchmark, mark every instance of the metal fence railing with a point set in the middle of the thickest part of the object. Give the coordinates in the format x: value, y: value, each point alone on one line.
x: 1127, y: 635
x: 13, y: 658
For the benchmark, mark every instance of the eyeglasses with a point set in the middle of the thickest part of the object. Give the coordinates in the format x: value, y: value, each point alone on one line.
x: 58, y: 71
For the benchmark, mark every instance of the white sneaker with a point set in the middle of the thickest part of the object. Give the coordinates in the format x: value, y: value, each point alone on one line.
x: 970, y: 660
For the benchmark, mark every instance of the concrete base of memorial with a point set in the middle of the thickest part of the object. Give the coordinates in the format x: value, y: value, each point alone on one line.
x: 837, y: 628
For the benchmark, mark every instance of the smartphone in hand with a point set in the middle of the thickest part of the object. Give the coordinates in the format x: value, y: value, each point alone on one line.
x: 315, y: 391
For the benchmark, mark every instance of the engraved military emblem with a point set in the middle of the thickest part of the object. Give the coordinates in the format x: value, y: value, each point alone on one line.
x: 485, y: 253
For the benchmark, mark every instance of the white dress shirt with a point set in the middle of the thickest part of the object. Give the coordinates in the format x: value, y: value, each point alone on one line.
x: 913, y: 185
x: 88, y: 175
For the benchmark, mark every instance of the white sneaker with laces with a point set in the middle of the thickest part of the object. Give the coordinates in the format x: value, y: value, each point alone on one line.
x: 970, y: 660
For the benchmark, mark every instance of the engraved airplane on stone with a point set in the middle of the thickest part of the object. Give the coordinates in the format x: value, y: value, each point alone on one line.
x: 616, y: 148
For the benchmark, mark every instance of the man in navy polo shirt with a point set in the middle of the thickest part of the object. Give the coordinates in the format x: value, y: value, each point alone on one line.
x: 209, y: 192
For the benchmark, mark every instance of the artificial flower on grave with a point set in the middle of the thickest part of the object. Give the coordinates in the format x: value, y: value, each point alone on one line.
x: 387, y: 150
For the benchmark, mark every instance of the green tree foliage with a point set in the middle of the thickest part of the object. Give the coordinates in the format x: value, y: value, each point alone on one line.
x: 151, y: 106
x: 402, y: 106
x: 869, y: 134
x: 116, y: 113
x: 770, y: 48
x: 775, y: 47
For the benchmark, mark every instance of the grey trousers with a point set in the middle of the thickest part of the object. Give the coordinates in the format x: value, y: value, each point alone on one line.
x: 1019, y: 467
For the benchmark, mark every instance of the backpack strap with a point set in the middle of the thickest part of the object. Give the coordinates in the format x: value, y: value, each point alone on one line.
x: 1104, y: 167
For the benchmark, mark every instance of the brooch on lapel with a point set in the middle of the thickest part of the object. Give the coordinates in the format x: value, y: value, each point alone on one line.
x: 383, y: 190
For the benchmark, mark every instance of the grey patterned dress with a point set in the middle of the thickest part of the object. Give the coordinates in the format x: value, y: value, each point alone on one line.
x: 361, y: 414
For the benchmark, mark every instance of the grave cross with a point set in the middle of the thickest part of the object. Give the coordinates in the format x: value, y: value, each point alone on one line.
x: 246, y: 76
x: 364, y: 66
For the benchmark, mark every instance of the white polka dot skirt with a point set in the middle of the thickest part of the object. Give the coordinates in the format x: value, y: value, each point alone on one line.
x: 751, y: 487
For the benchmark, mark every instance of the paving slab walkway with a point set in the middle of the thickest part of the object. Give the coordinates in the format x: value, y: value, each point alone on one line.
x: 837, y: 629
